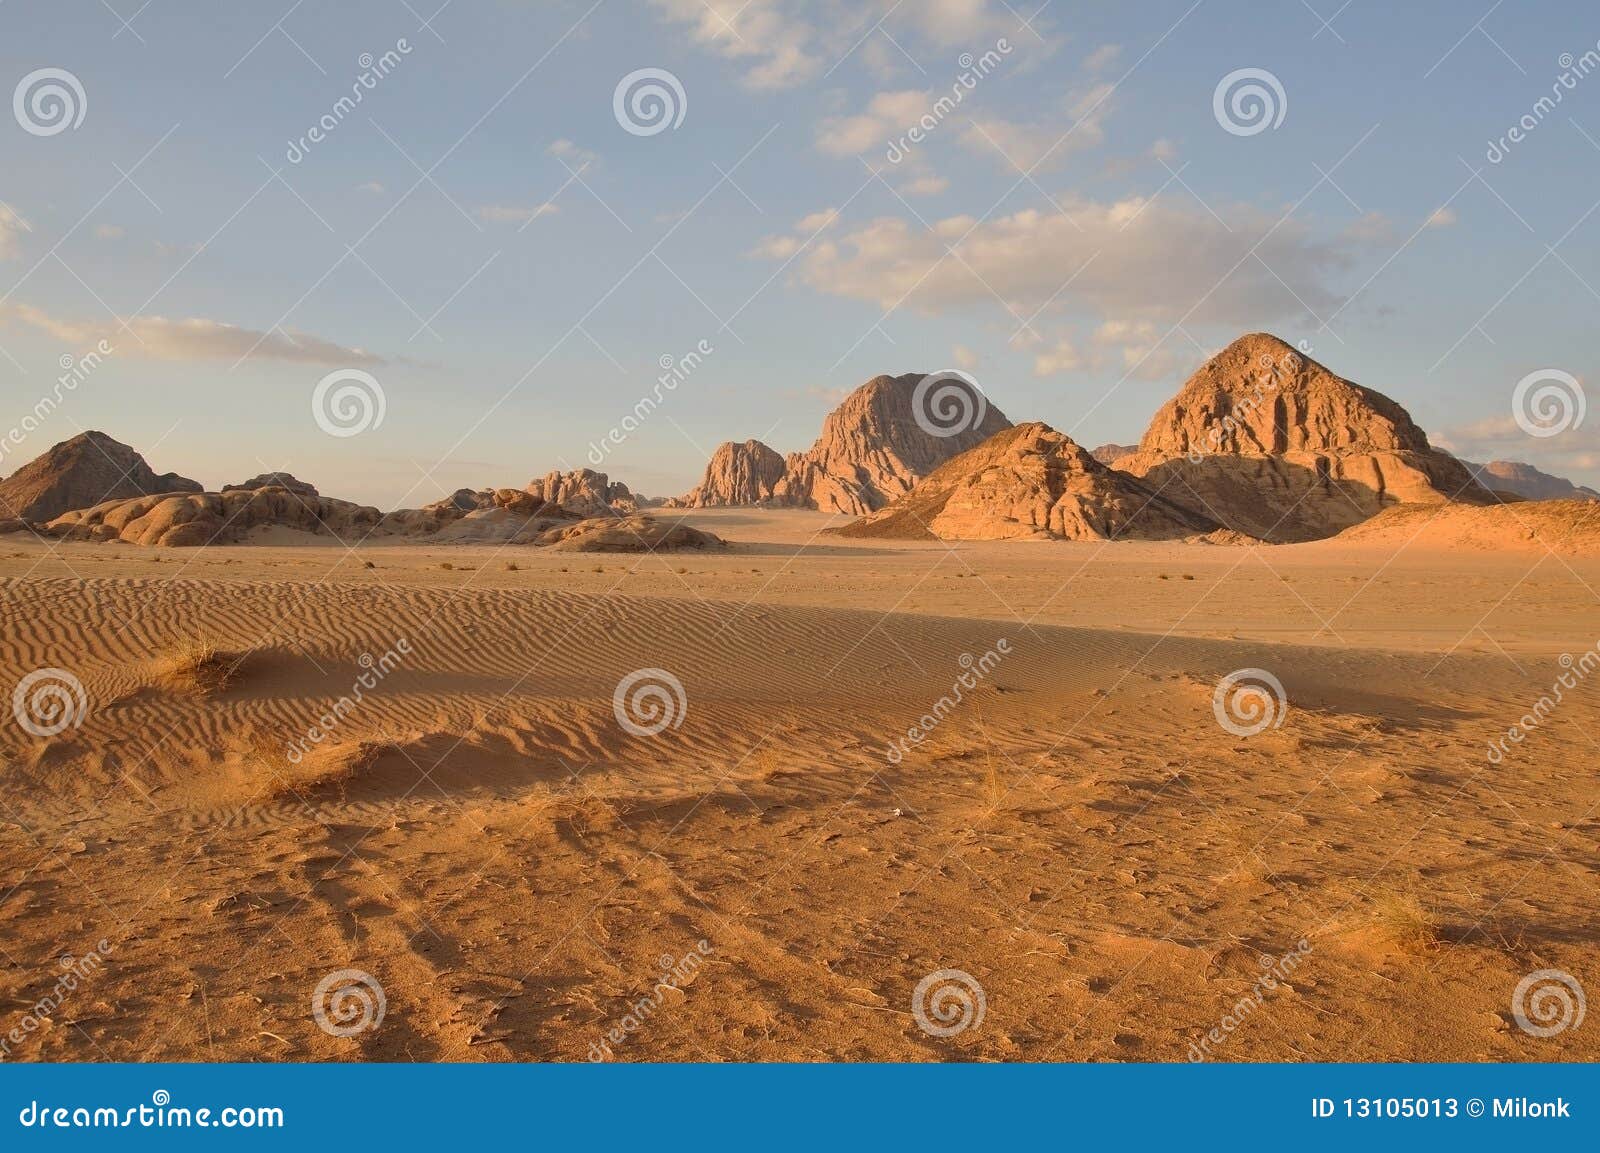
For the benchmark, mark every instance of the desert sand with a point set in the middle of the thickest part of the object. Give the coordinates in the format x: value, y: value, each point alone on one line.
x: 1079, y: 834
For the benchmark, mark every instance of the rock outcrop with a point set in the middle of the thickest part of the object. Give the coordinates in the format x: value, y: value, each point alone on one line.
x: 738, y: 474
x: 1273, y: 445
x: 1527, y: 482
x: 1031, y: 481
x: 585, y: 492
x: 188, y: 519
x: 283, y: 480
x: 580, y: 493
x: 631, y: 534
x: 1111, y: 453
x: 77, y: 473
x: 874, y: 447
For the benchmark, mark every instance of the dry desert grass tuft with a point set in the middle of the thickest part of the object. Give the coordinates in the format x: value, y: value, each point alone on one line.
x: 196, y: 665
x: 1403, y: 918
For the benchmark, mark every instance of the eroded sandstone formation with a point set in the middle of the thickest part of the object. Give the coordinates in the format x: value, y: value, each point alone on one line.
x: 1270, y: 443
x: 1031, y: 481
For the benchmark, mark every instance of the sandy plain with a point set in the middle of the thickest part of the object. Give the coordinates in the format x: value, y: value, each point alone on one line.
x: 1080, y: 835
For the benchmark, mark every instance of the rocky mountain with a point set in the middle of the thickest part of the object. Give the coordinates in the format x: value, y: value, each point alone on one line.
x: 1273, y: 445
x: 1030, y: 481
x: 86, y: 470
x: 1529, y: 483
x: 738, y: 474
x: 883, y: 438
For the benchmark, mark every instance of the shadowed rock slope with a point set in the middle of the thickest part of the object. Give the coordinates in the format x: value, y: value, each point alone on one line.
x: 86, y: 470
x: 1031, y: 481
x: 1272, y: 444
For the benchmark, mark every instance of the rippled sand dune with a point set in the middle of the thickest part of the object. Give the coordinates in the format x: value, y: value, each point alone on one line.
x: 1102, y: 848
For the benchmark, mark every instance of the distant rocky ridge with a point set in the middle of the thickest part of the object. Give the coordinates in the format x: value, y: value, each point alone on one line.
x: 874, y: 447
x: 1111, y: 453
x: 1273, y: 445
x: 1519, y: 479
x: 1261, y: 442
x: 578, y: 509
x: 282, y: 480
x: 85, y: 470
x: 1030, y: 481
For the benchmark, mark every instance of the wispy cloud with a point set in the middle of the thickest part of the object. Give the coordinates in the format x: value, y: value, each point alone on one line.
x: 12, y: 226
x: 774, y: 40
x: 194, y: 338
x: 515, y: 213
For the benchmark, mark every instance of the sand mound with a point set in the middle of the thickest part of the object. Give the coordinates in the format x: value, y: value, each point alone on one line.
x: 874, y: 447
x: 86, y: 470
x: 1030, y: 481
x: 1567, y: 527
x: 629, y: 534
x: 1272, y: 444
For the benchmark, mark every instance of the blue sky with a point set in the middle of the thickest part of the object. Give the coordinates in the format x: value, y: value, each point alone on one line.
x: 511, y: 266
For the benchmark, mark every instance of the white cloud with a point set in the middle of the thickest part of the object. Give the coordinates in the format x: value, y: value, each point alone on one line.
x: 12, y: 226
x: 1143, y: 351
x: 816, y: 221
x: 1442, y: 217
x: 1160, y: 261
x: 770, y: 37
x: 371, y: 186
x: 888, y: 116
x: 924, y: 183
x: 567, y: 150
x: 777, y: 247
x: 964, y: 357
x: 193, y: 338
x: 515, y: 213
x: 950, y: 23
x: 1058, y: 358
x: 108, y: 231
x: 1044, y: 144
x: 1102, y: 57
